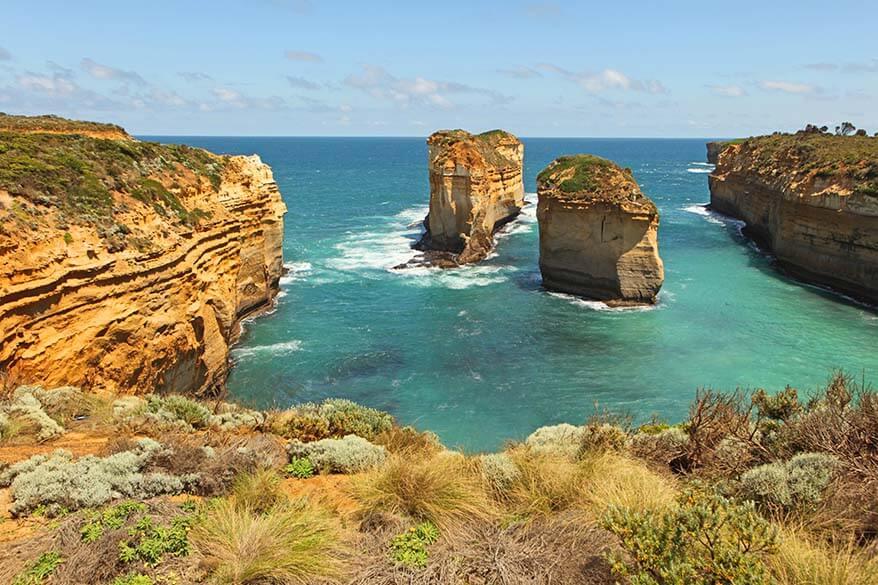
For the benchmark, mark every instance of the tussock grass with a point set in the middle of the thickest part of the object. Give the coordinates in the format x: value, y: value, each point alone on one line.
x: 258, y: 491
x: 800, y: 560
x: 616, y: 480
x: 546, y: 483
x: 292, y: 544
x: 445, y: 489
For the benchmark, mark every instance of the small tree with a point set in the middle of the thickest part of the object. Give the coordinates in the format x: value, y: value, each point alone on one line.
x: 845, y: 129
x: 860, y: 132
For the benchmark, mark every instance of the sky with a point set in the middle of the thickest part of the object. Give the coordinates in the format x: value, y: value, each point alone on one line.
x: 407, y: 68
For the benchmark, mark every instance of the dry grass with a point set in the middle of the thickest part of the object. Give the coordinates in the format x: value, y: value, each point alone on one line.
x: 408, y: 440
x: 546, y: 484
x: 259, y: 491
x: 616, y: 480
x: 292, y: 544
x: 801, y: 561
x: 445, y: 489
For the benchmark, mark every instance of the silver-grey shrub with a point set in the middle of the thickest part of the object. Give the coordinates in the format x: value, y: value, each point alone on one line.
x: 350, y: 454
x: 231, y: 417
x: 499, y: 471
x: 797, y: 483
x: 26, y: 405
x: 563, y: 439
x: 58, y: 482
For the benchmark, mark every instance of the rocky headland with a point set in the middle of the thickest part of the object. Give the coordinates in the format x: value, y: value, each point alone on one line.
x: 476, y: 186
x: 126, y: 266
x: 598, y: 232
x: 811, y: 199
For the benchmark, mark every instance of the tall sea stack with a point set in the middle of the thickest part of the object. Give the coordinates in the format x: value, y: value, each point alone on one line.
x: 812, y: 200
x: 476, y: 186
x: 598, y: 232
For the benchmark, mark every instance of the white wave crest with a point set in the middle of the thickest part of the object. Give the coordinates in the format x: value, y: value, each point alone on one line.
x: 282, y: 348
x: 295, y: 271
x: 699, y: 170
x: 603, y: 307
x: 702, y: 164
x: 715, y: 217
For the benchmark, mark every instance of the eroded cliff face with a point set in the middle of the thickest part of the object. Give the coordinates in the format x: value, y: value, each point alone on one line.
x: 812, y: 200
x: 476, y: 186
x: 598, y: 232
x: 126, y: 266
x: 713, y: 150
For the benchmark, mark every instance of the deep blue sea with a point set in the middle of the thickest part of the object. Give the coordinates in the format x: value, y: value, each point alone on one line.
x: 482, y: 354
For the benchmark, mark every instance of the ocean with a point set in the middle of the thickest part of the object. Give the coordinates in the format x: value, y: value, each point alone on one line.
x: 482, y: 355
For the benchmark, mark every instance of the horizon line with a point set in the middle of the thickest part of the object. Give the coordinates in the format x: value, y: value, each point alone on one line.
x: 154, y: 135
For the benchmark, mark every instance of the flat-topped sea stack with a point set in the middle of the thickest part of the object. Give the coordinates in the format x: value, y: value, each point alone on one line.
x: 598, y: 232
x: 476, y: 186
x: 126, y: 266
x: 812, y: 200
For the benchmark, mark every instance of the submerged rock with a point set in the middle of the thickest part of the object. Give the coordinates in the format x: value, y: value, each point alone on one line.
x: 476, y: 186
x: 598, y: 232
x: 812, y: 200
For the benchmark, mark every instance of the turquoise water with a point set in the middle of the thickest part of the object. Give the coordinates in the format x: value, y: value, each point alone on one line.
x: 481, y: 354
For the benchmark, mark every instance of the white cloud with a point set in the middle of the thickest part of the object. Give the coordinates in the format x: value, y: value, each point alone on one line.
x: 520, y: 72
x: 99, y: 71
x: 870, y: 66
x: 231, y: 97
x: 728, y: 90
x: 55, y: 84
x: 194, y: 76
x: 607, y: 79
x: 304, y: 56
x: 378, y: 83
x: 788, y: 87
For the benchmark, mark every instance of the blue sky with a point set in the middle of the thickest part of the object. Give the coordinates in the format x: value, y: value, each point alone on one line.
x: 406, y: 68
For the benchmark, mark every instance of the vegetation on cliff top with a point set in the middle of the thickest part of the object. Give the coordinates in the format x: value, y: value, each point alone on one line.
x: 84, y: 179
x: 591, y: 178
x: 750, y: 489
x: 829, y: 156
x: 56, y: 124
x: 487, y: 143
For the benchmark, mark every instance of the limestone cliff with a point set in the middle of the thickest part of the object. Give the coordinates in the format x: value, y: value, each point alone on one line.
x: 598, y: 232
x: 126, y: 266
x: 812, y: 200
x: 713, y: 150
x: 476, y: 186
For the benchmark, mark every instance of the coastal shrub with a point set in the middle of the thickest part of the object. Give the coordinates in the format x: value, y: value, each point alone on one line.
x: 258, y: 491
x: 26, y: 407
x: 56, y: 482
x: 798, y: 483
x: 499, y: 472
x: 563, y: 439
x: 231, y: 417
x: 299, y: 467
x: 40, y: 570
x: 666, y: 446
x: 332, y: 418
x: 296, y: 543
x: 149, y: 542
x: 704, y: 540
x: 175, y: 408
x: 601, y: 437
x: 443, y: 489
x: 410, y: 547
x: 127, y: 407
x: 111, y: 518
x: 350, y: 454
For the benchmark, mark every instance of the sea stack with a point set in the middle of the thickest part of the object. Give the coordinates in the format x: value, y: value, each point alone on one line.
x: 598, y: 232
x: 127, y: 266
x: 476, y: 186
x: 811, y: 199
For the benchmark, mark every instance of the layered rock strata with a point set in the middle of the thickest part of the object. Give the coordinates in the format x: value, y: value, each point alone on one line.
x: 598, y: 232
x: 476, y: 186
x: 811, y: 200
x: 713, y: 150
x: 126, y: 266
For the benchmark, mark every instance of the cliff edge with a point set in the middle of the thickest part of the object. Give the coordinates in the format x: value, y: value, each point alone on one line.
x: 598, y: 232
x: 812, y: 200
x: 126, y: 266
x: 476, y: 186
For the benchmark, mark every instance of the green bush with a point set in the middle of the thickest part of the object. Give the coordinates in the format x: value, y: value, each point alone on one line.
x: 332, y: 418
x: 299, y: 467
x: 178, y: 408
x: 410, y: 547
x: 704, y: 540
x: 150, y: 543
x: 40, y: 570
x: 351, y: 454
x: 111, y: 518
x: 796, y: 484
